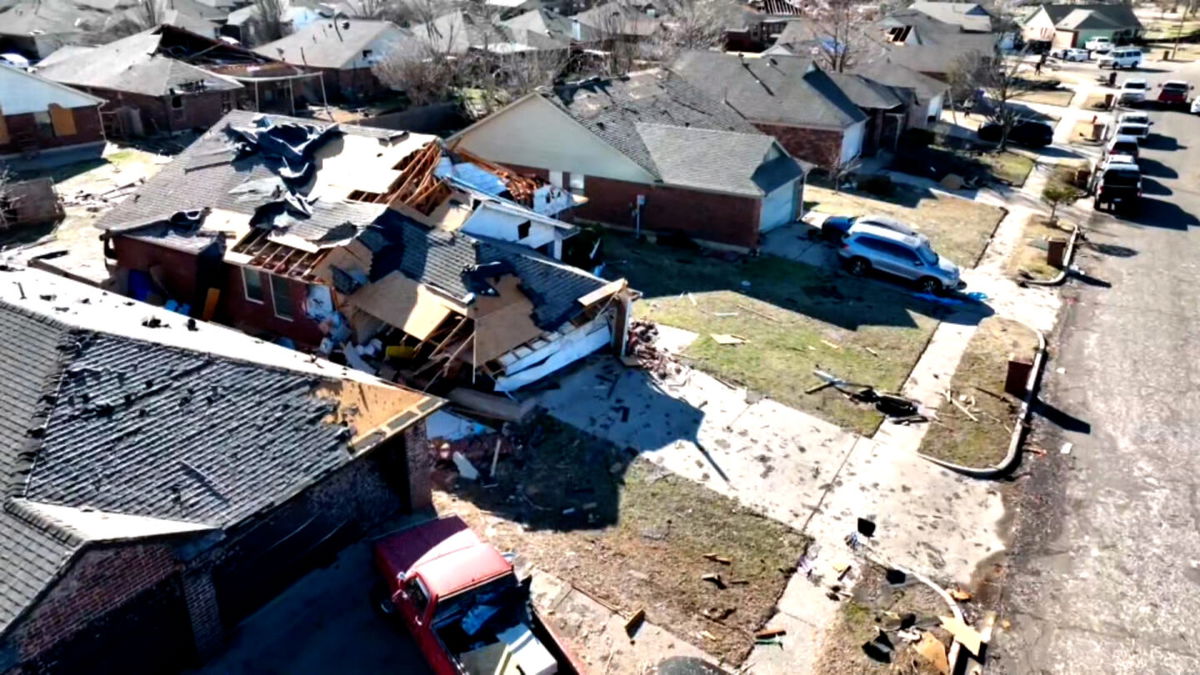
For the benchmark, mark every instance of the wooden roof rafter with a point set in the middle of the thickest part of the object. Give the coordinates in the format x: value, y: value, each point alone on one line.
x: 278, y: 259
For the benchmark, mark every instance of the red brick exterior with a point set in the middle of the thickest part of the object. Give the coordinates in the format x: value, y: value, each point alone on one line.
x: 181, y: 273
x: 149, y: 608
x: 822, y: 147
x: 200, y: 110
x: 729, y: 220
x: 88, y: 129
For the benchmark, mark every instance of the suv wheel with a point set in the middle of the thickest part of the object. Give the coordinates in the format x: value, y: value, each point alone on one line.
x: 858, y: 266
x: 929, y: 285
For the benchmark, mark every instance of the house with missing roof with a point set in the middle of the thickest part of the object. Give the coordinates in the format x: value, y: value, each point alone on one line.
x: 162, y: 477
x: 1065, y: 26
x: 344, y: 51
x: 45, y: 123
x: 649, y: 153
x: 382, y: 249
x: 937, y: 48
x: 167, y: 79
x: 788, y: 97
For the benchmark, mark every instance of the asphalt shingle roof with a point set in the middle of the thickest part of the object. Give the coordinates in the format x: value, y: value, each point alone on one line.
x: 612, y: 108
x: 325, y: 46
x: 868, y: 93
x: 1116, y: 14
x: 967, y: 15
x: 132, y: 64
x: 615, y: 18
x: 893, y: 74
x: 716, y: 160
x: 773, y: 89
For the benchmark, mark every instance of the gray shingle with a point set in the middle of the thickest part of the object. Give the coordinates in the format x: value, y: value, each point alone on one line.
x: 868, y: 93
x: 612, y: 109
x: 707, y: 160
x: 321, y: 45
x: 772, y: 89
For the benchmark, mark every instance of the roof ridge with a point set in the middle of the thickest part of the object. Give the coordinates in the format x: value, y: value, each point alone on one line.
x: 21, y: 510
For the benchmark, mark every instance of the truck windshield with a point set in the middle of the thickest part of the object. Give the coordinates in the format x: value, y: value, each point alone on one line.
x: 1176, y: 88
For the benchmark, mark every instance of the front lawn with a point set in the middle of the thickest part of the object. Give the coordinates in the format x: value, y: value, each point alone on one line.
x: 635, y: 536
x: 959, y: 228
x: 1056, y: 97
x: 979, y: 435
x: 1008, y: 167
x: 1030, y: 256
x: 794, y: 318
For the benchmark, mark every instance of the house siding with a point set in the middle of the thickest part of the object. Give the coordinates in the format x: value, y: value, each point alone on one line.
x: 200, y: 110
x: 88, y: 129
x: 138, y: 608
x: 822, y: 147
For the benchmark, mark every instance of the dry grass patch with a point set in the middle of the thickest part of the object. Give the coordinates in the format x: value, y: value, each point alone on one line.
x: 1056, y: 97
x: 1030, y: 256
x: 635, y: 536
x: 979, y: 436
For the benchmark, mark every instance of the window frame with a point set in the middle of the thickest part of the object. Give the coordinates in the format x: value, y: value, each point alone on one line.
x: 577, y: 183
x: 45, y: 128
x: 262, y: 300
x: 290, y: 314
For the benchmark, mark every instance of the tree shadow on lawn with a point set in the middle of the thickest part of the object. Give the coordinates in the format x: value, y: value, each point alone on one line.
x: 827, y: 295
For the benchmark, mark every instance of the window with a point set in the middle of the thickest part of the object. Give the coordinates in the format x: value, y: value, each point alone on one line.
x: 523, y: 230
x: 45, y: 125
x: 577, y: 183
x: 177, y: 102
x: 556, y: 178
x: 281, y: 297
x: 252, y: 283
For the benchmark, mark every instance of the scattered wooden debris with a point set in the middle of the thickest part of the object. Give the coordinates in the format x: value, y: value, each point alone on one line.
x: 769, y: 633
x: 960, y: 594
x: 723, y: 339
x: 764, y: 315
x: 831, y: 345
x: 635, y: 622
x: 714, y: 579
x: 1066, y: 448
x: 718, y: 558
x: 965, y: 635
x: 933, y: 651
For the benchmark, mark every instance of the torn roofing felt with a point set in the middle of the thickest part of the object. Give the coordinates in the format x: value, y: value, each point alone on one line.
x: 461, y: 265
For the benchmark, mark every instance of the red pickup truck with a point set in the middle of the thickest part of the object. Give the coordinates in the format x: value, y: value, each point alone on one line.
x: 464, y: 605
x: 1174, y: 93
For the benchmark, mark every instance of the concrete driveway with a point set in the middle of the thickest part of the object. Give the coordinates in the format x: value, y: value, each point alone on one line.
x: 324, y: 623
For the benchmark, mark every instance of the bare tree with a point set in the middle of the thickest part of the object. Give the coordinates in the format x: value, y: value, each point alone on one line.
x: 148, y: 13
x: 999, y: 80
x: 7, y: 200
x: 692, y: 25
x: 842, y: 34
x: 269, y: 20
x: 397, y: 11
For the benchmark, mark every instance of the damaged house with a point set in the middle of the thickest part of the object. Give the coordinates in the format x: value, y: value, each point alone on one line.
x: 650, y: 152
x: 163, y: 478
x: 378, y: 247
x: 167, y: 79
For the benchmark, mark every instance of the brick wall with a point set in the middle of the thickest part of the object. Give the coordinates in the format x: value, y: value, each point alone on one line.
x: 88, y: 129
x: 419, y: 459
x: 101, y: 580
x: 822, y: 147
x: 200, y: 110
x: 181, y: 272
x: 728, y: 220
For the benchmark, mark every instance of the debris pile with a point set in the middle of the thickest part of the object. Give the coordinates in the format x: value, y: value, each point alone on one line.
x: 644, y: 353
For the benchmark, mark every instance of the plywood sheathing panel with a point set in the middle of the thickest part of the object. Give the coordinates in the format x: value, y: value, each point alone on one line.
x: 503, y: 322
x: 367, y: 407
x: 405, y: 304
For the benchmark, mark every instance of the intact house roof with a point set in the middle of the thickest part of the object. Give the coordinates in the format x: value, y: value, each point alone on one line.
x: 112, y: 414
x: 339, y: 43
x: 786, y: 90
x: 897, y: 75
x: 619, y: 19
x: 551, y: 26
x: 1116, y: 16
x: 458, y: 32
x: 651, y: 116
x: 159, y: 61
x: 392, y: 222
x: 969, y: 16
x: 870, y: 94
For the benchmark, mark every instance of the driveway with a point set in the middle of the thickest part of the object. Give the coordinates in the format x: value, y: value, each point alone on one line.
x: 1105, y: 574
x: 324, y: 623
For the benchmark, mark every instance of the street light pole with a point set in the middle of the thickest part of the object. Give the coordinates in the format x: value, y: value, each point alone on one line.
x: 1179, y: 30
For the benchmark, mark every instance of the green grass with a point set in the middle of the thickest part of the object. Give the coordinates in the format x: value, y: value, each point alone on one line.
x: 983, y: 441
x: 794, y: 317
x: 958, y: 228
x: 1009, y: 167
x: 644, y: 542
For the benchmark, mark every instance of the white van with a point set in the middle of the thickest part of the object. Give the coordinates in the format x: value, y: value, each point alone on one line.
x: 1121, y: 57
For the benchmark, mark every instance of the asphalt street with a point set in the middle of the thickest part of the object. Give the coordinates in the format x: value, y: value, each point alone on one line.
x: 1104, y: 575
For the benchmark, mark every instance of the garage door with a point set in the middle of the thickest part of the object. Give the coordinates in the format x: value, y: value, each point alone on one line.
x: 778, y: 207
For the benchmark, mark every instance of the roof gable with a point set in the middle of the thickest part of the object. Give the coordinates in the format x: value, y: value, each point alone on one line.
x: 338, y: 43
x: 22, y: 92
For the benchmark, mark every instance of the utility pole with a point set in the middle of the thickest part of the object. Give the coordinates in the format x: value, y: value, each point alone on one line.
x: 1179, y: 31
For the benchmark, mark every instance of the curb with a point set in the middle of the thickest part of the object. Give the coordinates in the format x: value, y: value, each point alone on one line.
x: 954, y: 653
x: 1014, y: 445
x: 1062, y: 276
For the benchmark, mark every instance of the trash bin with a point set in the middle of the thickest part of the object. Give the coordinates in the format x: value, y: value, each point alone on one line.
x: 1056, y: 252
x: 1166, y: 55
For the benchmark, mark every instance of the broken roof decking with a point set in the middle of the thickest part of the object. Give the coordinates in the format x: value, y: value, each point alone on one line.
x: 113, y: 406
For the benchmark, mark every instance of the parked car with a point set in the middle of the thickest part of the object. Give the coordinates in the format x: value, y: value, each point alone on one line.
x: 1098, y: 43
x: 1122, y: 147
x: 1024, y: 132
x: 1116, y: 183
x: 1133, y: 91
x: 1173, y: 93
x: 1123, y: 57
x: 463, y: 603
x: 1195, y: 107
x: 1071, y: 54
x: 1131, y: 131
x: 908, y: 256
x: 1134, y: 117
x: 835, y: 228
